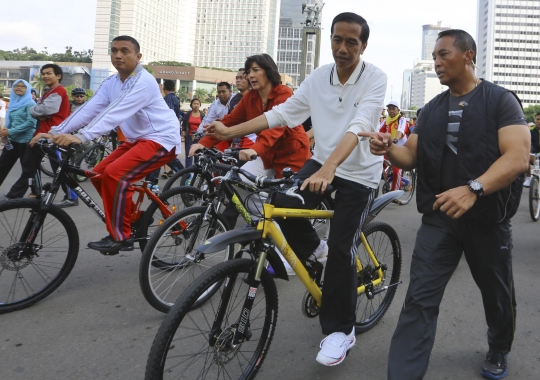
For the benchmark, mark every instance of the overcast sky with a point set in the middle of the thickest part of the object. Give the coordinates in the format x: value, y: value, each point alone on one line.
x: 395, y: 40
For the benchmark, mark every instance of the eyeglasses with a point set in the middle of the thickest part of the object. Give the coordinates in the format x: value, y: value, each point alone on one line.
x: 19, y: 86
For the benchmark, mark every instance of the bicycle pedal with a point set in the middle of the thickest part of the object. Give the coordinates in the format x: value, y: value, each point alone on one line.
x: 113, y: 253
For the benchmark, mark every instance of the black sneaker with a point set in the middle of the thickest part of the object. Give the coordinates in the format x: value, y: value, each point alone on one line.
x: 107, y: 244
x: 68, y: 203
x: 496, y: 365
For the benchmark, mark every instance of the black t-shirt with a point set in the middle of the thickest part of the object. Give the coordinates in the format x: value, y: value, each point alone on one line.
x: 509, y: 112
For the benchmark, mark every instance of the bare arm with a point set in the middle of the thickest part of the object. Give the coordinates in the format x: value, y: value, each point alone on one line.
x: 403, y: 156
x: 222, y: 132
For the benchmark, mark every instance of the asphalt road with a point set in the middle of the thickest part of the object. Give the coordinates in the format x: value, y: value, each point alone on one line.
x: 97, y: 325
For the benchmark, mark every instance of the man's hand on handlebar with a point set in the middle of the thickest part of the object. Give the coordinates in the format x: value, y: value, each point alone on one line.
x: 38, y: 137
x: 65, y: 139
x: 217, y: 129
x: 194, y: 148
x: 247, y: 154
x: 319, y: 180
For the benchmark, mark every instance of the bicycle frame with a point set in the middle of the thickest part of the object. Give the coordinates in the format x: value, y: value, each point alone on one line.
x: 62, y: 176
x: 269, y: 229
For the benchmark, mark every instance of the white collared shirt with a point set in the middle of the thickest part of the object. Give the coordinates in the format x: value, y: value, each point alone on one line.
x: 216, y: 111
x: 336, y: 109
x: 136, y: 105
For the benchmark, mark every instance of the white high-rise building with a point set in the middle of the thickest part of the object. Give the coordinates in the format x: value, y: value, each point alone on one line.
x: 228, y: 31
x: 425, y: 84
x: 508, y: 46
x: 406, y: 89
x: 429, y: 37
x: 165, y: 29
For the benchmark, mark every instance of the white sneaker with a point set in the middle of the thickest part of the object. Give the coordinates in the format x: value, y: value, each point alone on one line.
x: 334, y: 348
x: 527, y: 182
x: 321, y: 253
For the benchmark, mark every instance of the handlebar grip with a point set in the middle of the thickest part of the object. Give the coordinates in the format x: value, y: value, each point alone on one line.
x: 253, y: 157
x: 223, y: 167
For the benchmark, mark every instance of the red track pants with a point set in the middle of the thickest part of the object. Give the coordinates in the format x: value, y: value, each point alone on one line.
x: 129, y: 163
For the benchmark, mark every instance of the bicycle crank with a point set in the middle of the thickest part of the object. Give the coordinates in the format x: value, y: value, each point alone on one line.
x: 310, y: 309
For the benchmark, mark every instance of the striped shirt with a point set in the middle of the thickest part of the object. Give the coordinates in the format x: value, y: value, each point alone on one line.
x: 136, y: 105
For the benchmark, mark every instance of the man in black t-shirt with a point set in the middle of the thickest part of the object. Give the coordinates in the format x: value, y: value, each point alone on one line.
x: 486, y: 134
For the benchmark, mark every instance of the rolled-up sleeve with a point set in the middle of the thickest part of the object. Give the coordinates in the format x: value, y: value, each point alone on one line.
x: 367, y: 115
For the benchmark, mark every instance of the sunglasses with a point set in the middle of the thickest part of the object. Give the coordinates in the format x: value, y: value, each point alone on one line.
x: 78, y: 96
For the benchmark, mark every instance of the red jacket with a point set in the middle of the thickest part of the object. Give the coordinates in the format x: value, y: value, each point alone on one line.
x: 57, y: 118
x: 279, y: 147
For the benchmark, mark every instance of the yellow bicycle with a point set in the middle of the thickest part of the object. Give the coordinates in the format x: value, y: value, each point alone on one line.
x: 229, y: 335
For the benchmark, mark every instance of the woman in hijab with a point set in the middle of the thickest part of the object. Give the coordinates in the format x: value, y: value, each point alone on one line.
x: 19, y: 129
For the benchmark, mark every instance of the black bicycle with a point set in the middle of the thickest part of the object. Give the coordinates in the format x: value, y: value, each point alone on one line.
x: 39, y: 242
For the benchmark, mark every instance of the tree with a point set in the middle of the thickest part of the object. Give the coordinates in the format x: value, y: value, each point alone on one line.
x: 530, y: 112
x: 170, y: 63
x: 149, y: 69
x: 201, y: 94
x: 182, y: 96
x: 2, y: 89
x: 38, y: 84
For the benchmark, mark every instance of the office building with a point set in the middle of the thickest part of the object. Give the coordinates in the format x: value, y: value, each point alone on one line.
x: 165, y: 30
x: 289, y: 50
x: 228, y: 31
x: 429, y: 37
x: 425, y: 84
x: 508, y: 46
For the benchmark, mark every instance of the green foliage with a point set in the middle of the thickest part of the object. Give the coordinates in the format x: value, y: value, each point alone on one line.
x: 182, y: 96
x: 149, y: 69
x: 38, y: 84
x: 30, y: 54
x: 217, y: 68
x: 413, y: 108
x: 169, y: 63
x: 530, y: 112
x: 3, y: 89
x: 201, y: 94
x: 88, y: 95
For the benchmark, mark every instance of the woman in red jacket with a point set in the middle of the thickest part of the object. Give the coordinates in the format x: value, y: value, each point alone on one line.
x: 276, y: 148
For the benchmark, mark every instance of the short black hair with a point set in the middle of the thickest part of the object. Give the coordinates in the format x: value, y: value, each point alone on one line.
x: 462, y: 40
x: 538, y: 114
x: 226, y: 84
x: 241, y: 69
x: 130, y: 39
x: 57, y: 70
x: 169, y: 85
x: 267, y: 64
x: 194, y: 99
x: 354, y: 18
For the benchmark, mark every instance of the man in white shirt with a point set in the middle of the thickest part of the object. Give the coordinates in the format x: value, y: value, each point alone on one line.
x: 132, y: 100
x: 220, y: 107
x: 2, y: 111
x: 342, y: 99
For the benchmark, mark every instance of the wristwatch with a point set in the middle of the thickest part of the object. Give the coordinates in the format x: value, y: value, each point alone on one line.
x: 476, y: 187
x: 395, y: 141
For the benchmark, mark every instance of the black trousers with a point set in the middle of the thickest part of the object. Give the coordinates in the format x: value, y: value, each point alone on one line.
x: 9, y: 157
x: 440, y: 243
x: 352, y: 203
x: 30, y: 168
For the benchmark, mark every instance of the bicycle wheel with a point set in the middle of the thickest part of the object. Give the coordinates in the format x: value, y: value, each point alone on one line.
x: 410, y: 176
x: 153, y: 217
x: 192, y: 176
x: 29, y: 273
x: 89, y: 159
x: 46, y: 167
x: 385, y: 244
x: 534, y: 207
x: 169, y: 264
x: 190, y: 345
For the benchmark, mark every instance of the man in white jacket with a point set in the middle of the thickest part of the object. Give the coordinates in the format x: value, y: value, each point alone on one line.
x: 343, y: 99
x: 132, y: 100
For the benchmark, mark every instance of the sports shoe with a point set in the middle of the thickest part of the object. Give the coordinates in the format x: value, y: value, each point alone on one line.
x: 496, y: 365
x: 527, y: 182
x: 67, y: 203
x: 107, y: 244
x: 335, y: 347
x: 321, y: 253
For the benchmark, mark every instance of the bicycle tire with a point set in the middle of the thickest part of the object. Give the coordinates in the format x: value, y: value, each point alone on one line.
x: 166, y: 270
x: 153, y: 218
x: 27, y: 280
x: 89, y: 159
x: 45, y: 166
x: 384, y: 242
x: 182, y: 330
x: 200, y: 180
x: 534, y: 195
x: 410, y: 175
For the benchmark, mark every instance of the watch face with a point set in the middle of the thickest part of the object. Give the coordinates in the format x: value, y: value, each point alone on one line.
x: 475, y: 185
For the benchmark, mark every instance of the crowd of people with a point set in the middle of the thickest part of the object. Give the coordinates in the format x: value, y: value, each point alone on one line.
x: 469, y: 168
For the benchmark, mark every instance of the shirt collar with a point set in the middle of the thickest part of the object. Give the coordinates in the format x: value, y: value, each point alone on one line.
x: 137, y: 70
x: 354, y: 78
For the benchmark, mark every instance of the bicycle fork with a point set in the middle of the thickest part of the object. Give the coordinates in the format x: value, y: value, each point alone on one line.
x: 242, y: 331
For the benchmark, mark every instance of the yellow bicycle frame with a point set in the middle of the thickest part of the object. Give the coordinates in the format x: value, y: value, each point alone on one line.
x: 269, y: 229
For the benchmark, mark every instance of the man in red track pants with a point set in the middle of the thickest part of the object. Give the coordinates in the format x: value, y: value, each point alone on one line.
x: 132, y: 100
